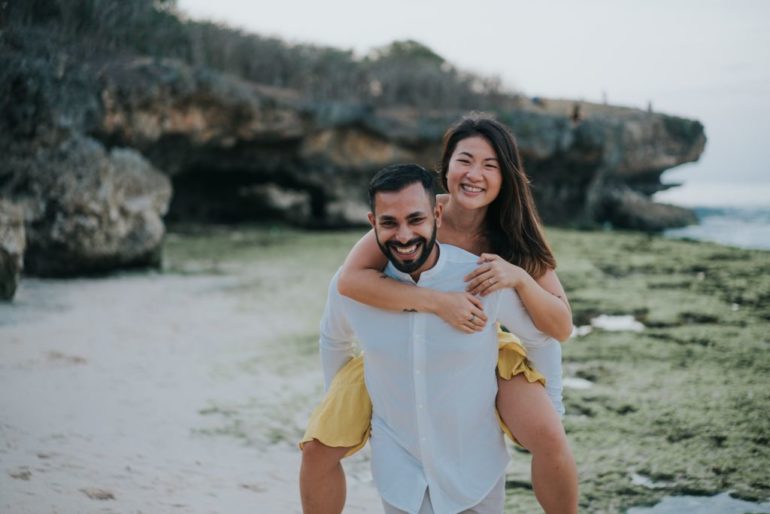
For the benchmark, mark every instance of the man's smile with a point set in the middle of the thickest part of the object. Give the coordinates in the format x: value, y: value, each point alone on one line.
x: 410, y: 249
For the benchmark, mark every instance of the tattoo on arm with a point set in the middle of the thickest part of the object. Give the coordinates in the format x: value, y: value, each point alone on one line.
x: 383, y: 275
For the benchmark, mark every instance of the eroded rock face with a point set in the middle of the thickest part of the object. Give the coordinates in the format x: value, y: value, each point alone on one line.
x: 87, y: 209
x: 237, y: 151
x: 238, y: 137
x: 12, y: 245
x: 631, y: 210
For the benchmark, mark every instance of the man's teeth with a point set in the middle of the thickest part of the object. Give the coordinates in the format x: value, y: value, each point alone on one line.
x: 407, y: 250
x: 472, y: 189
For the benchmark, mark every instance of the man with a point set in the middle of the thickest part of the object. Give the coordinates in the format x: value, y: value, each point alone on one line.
x: 436, y: 444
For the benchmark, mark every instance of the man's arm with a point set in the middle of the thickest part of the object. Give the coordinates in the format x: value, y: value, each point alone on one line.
x: 336, y: 341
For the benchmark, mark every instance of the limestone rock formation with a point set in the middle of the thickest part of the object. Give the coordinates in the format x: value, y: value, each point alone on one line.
x: 87, y: 209
x: 632, y: 210
x: 12, y: 245
x: 221, y: 139
x: 93, y: 147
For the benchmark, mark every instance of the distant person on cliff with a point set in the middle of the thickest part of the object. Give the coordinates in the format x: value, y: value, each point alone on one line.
x: 489, y: 209
x: 576, y: 116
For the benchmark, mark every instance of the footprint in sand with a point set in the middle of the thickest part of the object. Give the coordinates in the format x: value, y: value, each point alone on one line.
x: 98, y: 494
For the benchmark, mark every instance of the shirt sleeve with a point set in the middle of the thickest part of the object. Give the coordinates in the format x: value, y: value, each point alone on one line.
x: 514, y: 316
x: 337, y: 339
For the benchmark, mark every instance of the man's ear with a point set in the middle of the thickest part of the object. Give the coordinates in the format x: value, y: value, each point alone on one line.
x: 371, y: 219
x: 438, y: 213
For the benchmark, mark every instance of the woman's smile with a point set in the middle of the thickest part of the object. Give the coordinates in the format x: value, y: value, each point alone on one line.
x: 474, y: 172
x: 472, y: 190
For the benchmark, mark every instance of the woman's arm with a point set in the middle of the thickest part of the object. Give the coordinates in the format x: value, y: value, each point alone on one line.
x: 544, y: 298
x: 362, y: 279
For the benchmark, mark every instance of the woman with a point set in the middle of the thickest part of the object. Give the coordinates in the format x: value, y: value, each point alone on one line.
x: 489, y: 211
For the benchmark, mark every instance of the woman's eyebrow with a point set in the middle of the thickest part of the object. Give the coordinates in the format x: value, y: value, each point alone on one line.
x: 471, y: 155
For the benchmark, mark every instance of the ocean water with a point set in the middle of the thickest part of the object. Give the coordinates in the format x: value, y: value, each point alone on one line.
x: 745, y: 227
x: 719, y: 504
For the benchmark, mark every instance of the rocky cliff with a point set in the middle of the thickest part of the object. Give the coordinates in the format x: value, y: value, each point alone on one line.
x: 93, y: 149
x: 237, y: 150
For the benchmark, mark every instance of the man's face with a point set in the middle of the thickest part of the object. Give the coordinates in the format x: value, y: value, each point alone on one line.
x: 405, y: 225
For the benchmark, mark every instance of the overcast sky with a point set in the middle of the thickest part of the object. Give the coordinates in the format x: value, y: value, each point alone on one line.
x: 705, y: 59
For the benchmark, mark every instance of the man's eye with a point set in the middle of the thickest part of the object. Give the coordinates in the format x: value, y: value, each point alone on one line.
x: 387, y: 224
x: 417, y: 221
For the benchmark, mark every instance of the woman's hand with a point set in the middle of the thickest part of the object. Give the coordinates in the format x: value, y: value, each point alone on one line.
x: 493, y: 273
x: 462, y: 311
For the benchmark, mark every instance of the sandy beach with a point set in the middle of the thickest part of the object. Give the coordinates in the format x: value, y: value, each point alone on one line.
x: 186, y: 389
x: 181, y: 391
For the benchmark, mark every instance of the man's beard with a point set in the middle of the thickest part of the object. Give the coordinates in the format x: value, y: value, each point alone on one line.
x: 412, y: 265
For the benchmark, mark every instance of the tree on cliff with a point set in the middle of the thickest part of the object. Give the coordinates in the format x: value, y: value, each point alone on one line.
x: 402, y: 73
x: 409, y: 73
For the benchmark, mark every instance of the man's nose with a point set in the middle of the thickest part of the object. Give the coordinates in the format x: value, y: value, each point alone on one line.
x: 404, y: 234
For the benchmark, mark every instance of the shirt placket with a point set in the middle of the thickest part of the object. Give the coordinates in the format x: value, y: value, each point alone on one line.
x: 420, y: 357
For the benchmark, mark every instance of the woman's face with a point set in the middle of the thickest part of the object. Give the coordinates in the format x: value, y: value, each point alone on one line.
x: 473, y: 176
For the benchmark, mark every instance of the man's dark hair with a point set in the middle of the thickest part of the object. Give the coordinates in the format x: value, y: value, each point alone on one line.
x: 398, y: 176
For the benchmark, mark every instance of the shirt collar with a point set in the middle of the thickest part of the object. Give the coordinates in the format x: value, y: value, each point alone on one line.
x: 425, y: 275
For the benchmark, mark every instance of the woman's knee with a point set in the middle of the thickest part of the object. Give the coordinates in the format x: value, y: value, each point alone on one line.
x: 316, y: 453
x: 549, y: 438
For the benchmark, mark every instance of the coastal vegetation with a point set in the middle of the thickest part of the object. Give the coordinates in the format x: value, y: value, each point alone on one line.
x: 404, y: 73
x: 676, y: 408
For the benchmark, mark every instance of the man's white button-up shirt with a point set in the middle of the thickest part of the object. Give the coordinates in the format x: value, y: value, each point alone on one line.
x: 432, y: 387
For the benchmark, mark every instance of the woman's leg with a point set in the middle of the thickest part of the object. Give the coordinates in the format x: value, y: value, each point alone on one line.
x: 527, y: 411
x: 342, y: 420
x: 322, y: 479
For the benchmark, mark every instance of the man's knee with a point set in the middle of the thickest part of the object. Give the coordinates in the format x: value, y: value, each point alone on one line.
x: 315, y: 453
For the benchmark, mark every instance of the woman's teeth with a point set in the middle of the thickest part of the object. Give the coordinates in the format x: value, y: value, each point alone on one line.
x: 471, y: 189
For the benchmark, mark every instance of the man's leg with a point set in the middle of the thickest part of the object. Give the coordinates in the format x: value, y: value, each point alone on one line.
x: 322, y: 479
x: 529, y: 414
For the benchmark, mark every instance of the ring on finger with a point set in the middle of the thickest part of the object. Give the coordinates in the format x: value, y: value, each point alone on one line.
x: 473, y: 317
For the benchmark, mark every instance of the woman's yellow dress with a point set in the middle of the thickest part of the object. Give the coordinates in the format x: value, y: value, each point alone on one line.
x: 343, y: 418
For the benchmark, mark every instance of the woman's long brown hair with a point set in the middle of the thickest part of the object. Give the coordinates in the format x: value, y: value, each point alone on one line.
x: 513, y: 227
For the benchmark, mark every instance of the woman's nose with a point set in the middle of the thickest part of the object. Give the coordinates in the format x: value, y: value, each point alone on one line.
x: 474, y: 171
